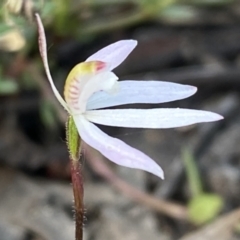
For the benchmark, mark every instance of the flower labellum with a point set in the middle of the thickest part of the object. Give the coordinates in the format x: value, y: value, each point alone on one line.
x: 92, y: 85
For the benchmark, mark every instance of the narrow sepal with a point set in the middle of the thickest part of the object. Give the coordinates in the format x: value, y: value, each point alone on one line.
x: 73, y: 139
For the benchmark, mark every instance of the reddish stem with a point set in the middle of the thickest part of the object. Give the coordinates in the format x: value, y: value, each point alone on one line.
x: 77, y: 183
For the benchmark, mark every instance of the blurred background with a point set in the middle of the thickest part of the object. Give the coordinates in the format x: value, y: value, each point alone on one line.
x: 196, y: 42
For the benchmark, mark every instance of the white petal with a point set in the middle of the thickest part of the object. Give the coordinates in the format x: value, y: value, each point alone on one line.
x: 114, y: 149
x: 150, y: 118
x: 106, y: 81
x: 141, y: 92
x: 115, y: 53
x: 43, y: 52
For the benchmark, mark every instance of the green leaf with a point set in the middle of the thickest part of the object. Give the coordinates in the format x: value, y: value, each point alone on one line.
x: 47, y: 114
x: 178, y: 14
x: 4, y: 28
x: 204, y: 208
x: 193, y: 177
x: 8, y: 87
x: 211, y: 2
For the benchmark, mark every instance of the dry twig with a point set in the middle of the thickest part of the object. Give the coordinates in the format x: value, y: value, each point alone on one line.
x: 100, y: 167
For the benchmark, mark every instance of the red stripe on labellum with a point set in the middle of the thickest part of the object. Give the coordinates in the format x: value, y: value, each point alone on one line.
x: 73, y: 96
x: 100, y: 65
x: 73, y: 90
x: 74, y: 87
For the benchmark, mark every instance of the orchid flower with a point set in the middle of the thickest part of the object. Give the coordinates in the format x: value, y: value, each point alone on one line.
x: 91, y: 86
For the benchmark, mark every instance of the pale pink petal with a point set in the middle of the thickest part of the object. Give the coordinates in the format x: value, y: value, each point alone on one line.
x: 115, y: 53
x: 151, y: 118
x: 43, y: 52
x: 141, y: 92
x: 114, y: 149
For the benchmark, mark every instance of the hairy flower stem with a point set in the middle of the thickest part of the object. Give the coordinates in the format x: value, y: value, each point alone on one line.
x: 74, y: 142
x: 77, y: 184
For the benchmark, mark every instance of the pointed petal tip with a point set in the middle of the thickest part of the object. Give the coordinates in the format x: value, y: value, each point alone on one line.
x: 115, y: 53
x: 161, y: 175
x: 152, y: 168
x: 194, y: 89
x: 220, y: 117
x: 157, y: 171
x: 129, y: 43
x: 133, y: 42
x: 212, y: 117
x: 190, y: 89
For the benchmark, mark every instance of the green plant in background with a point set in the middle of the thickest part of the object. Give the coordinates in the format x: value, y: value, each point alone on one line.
x: 48, y: 114
x: 85, y: 19
x: 17, y: 33
x: 73, y: 17
x: 7, y: 86
x: 214, y: 3
x: 202, y: 207
x: 12, y: 37
x: 81, y: 18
